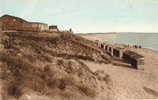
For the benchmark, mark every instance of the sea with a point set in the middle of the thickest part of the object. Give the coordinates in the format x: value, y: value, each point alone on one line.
x: 146, y: 40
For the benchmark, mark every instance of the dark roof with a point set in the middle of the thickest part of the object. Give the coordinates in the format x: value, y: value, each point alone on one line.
x: 5, y: 17
x: 12, y: 17
x: 133, y: 54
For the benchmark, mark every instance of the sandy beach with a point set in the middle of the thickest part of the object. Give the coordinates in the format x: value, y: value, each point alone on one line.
x: 97, y: 36
x: 130, y: 83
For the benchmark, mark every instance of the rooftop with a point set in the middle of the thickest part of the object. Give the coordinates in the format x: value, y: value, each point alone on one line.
x: 134, y: 54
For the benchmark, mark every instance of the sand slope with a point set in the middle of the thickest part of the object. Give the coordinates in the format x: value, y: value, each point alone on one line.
x: 129, y: 83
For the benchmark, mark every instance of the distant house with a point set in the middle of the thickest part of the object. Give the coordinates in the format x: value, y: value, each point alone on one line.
x: 14, y: 23
x: 53, y: 28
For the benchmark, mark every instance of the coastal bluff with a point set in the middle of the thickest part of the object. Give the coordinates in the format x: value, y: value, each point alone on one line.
x: 41, y: 65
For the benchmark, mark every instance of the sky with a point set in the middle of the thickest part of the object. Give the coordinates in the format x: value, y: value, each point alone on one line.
x: 85, y: 16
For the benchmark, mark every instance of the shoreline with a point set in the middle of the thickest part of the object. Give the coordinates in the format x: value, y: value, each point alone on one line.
x: 99, y: 36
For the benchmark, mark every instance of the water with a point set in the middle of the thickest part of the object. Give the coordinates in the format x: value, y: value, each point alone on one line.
x: 146, y: 40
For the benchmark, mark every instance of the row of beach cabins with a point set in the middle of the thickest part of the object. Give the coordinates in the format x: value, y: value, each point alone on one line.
x: 136, y: 60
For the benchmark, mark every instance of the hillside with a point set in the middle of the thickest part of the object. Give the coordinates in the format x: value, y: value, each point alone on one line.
x: 48, y: 66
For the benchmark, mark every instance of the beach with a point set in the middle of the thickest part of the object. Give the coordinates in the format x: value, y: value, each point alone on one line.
x: 97, y: 36
x: 129, y: 83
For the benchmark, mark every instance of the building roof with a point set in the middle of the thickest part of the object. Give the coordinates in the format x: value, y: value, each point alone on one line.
x: 133, y: 54
x: 6, y: 17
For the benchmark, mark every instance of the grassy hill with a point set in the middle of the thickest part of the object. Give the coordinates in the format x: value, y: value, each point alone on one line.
x: 49, y: 65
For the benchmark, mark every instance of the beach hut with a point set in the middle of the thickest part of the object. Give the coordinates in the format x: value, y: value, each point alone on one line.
x: 118, y: 52
x: 136, y: 60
